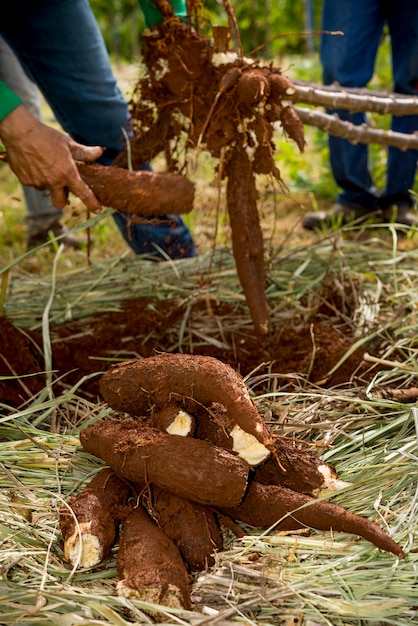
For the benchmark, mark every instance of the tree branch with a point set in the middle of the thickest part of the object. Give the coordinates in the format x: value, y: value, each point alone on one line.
x: 333, y: 125
x: 337, y: 97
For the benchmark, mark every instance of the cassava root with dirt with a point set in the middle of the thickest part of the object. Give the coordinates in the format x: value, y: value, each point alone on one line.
x: 196, y: 97
x: 89, y: 524
x: 165, y: 378
x: 184, y: 477
x: 139, y: 192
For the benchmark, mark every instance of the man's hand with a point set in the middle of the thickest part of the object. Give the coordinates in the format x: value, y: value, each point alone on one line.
x: 44, y: 158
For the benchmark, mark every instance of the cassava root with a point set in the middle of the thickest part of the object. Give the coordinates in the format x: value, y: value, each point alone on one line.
x: 149, y: 564
x: 188, y: 467
x: 136, y: 386
x: 266, y: 506
x: 89, y: 522
x: 139, y: 192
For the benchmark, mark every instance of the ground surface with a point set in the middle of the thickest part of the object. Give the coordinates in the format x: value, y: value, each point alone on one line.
x: 144, y: 326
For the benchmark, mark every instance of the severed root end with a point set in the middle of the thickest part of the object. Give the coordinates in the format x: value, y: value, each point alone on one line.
x: 248, y: 447
x: 167, y: 595
x: 83, y: 548
x: 181, y: 424
x: 331, y: 481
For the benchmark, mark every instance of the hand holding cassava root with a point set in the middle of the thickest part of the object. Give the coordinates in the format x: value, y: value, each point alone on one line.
x: 183, y: 486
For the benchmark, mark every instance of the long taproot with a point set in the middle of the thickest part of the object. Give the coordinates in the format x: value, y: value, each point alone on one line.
x: 247, y: 236
x: 267, y: 505
x: 135, y: 386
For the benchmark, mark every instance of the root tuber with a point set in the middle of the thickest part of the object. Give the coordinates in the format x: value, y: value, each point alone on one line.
x: 149, y: 564
x: 139, y: 192
x: 192, y: 526
x: 298, y: 470
x: 98, y: 509
x: 135, y: 386
x: 247, y: 236
x: 188, y: 467
x: 268, y: 505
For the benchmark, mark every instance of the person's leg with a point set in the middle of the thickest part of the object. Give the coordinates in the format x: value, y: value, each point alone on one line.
x: 348, y: 59
x: 60, y: 46
x: 402, y: 164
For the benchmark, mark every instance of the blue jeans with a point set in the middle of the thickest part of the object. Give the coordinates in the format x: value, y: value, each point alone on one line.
x: 60, y: 46
x: 349, y: 60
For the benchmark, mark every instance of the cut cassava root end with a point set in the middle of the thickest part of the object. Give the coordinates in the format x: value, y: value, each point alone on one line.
x: 89, y: 523
x: 298, y: 470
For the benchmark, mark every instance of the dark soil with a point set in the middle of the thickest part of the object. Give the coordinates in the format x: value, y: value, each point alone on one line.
x: 144, y: 327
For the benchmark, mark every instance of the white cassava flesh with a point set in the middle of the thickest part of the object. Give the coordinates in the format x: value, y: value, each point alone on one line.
x: 248, y: 447
x: 83, y: 548
x: 181, y: 425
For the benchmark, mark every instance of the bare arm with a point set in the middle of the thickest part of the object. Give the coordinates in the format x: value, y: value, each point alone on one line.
x: 44, y: 158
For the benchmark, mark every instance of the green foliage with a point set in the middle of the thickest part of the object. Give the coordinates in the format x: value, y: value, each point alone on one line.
x: 275, y: 27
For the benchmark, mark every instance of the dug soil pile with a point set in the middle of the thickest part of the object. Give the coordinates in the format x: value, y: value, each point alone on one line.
x: 145, y: 326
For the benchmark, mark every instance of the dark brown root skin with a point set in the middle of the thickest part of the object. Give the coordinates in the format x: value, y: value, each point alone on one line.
x: 247, y: 237
x: 194, y: 469
x: 139, y: 192
x: 192, y: 527
x: 265, y: 505
x: 136, y: 386
x: 298, y: 470
x: 214, y: 424
x: 150, y: 565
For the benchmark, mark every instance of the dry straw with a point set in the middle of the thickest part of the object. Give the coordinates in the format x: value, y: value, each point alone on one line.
x: 306, y: 578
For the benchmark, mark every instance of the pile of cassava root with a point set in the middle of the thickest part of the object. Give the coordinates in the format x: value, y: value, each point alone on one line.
x: 188, y: 455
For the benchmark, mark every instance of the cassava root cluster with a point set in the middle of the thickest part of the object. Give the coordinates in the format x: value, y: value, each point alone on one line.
x: 187, y: 453
x: 193, y: 97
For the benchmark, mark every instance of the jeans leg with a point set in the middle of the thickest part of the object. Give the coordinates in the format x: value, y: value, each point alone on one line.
x: 169, y: 238
x: 348, y: 59
x: 41, y: 213
x: 61, y: 48
x: 402, y: 164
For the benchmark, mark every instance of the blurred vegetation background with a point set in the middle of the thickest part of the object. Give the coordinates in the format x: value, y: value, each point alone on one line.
x: 278, y: 26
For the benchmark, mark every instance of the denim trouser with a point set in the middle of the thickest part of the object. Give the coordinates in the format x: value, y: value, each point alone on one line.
x: 60, y: 46
x: 349, y: 60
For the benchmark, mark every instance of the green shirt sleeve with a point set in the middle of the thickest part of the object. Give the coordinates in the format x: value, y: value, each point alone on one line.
x: 8, y: 100
x: 152, y: 14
